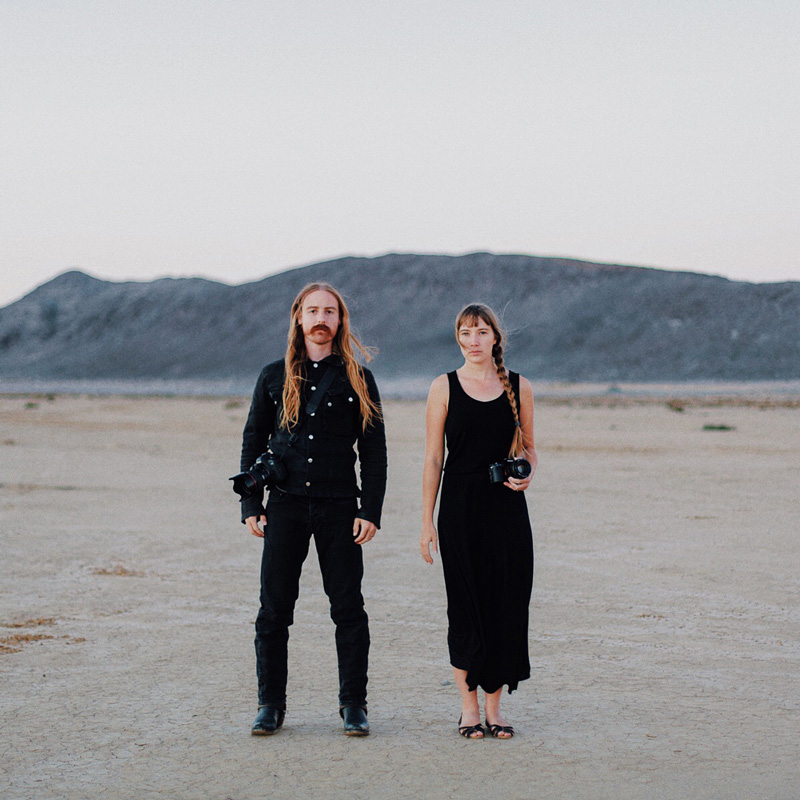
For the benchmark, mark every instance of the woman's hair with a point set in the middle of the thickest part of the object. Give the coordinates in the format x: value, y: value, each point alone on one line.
x: 343, y: 343
x: 469, y: 316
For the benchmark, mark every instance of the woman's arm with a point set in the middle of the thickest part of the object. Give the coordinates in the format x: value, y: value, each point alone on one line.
x: 526, y: 421
x: 435, y: 416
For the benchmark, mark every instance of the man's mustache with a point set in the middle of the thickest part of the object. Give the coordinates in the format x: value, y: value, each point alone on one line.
x: 321, y: 326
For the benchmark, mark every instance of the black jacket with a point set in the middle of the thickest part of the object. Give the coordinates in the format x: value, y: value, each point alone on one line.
x: 321, y: 461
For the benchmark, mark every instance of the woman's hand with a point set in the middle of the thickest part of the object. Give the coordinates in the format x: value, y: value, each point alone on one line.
x: 429, y: 537
x: 519, y: 484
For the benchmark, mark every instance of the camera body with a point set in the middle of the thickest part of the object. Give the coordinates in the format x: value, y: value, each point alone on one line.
x: 266, y: 472
x: 501, y: 471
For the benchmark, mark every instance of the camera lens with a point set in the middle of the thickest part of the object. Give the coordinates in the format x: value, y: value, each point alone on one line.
x: 244, y: 484
x: 521, y: 468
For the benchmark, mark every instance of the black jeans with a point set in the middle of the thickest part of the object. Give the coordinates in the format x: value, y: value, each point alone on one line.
x: 291, y: 522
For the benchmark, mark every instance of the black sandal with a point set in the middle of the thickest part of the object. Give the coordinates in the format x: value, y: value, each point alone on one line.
x: 496, y: 730
x: 470, y: 731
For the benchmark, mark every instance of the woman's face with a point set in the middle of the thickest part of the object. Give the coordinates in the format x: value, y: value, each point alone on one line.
x: 476, y: 340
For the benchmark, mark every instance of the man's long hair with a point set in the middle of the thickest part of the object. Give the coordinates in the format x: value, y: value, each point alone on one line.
x: 469, y: 316
x: 343, y: 343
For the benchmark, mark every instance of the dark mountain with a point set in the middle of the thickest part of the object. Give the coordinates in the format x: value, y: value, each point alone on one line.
x: 569, y: 320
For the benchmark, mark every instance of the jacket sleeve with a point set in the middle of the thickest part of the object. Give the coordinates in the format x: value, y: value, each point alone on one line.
x: 259, y: 427
x: 372, y: 460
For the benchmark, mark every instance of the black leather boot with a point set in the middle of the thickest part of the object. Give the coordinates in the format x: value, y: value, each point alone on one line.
x: 268, y: 721
x: 355, y: 720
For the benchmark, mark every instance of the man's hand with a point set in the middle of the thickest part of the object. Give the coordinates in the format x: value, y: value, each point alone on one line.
x: 363, y: 530
x: 253, y: 523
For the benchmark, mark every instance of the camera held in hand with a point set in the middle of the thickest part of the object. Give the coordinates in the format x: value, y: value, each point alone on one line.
x: 265, y: 473
x: 501, y: 471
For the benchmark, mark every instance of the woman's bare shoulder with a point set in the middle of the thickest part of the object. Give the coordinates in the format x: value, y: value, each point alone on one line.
x: 525, y: 389
x: 440, y: 389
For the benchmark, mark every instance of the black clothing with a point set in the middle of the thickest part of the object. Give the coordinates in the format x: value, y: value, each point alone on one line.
x: 291, y: 522
x: 319, y: 499
x: 321, y: 462
x: 486, y: 544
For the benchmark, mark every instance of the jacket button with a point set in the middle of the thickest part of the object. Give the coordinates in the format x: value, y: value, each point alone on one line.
x: 310, y: 435
x: 308, y: 483
x: 313, y: 388
x: 310, y: 460
x: 330, y: 404
x: 312, y: 413
x: 315, y: 365
x: 349, y: 399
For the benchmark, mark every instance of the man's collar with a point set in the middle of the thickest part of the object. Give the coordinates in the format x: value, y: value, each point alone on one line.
x: 334, y: 359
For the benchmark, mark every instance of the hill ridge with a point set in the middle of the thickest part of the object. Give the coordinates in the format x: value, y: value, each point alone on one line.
x: 569, y: 319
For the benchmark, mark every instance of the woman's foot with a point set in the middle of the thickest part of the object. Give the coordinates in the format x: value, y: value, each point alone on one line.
x: 469, y: 725
x: 499, y: 729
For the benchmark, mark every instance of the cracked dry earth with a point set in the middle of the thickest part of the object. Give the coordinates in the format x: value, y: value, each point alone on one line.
x: 665, y: 630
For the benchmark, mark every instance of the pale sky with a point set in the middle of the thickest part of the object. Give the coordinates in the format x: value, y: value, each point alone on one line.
x: 236, y: 138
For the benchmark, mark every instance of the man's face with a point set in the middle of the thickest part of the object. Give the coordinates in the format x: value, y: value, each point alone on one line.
x: 319, y: 316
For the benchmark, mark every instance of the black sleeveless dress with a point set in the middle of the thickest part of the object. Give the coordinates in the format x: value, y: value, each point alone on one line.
x: 486, y: 545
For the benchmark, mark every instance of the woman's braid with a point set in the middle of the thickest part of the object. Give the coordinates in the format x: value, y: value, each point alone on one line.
x: 518, y: 442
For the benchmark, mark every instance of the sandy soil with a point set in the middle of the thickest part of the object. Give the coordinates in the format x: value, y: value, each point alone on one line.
x: 665, y: 636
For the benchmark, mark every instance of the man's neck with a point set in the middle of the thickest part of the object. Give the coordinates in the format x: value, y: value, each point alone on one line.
x: 316, y: 352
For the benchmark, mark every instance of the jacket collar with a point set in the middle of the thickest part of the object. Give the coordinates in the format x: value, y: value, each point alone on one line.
x: 333, y: 360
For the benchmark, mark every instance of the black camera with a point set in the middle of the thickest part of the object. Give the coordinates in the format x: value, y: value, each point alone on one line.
x: 267, y: 471
x: 500, y: 471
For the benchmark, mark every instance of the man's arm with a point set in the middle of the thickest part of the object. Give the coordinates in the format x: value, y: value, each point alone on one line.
x: 259, y: 427
x: 372, y: 460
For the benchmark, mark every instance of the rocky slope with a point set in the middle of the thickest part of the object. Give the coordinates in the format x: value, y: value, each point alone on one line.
x: 568, y: 320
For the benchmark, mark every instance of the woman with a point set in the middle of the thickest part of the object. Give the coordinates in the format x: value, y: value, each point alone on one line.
x: 486, y: 416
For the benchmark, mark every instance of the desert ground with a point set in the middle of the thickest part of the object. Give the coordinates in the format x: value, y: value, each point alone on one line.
x: 665, y: 623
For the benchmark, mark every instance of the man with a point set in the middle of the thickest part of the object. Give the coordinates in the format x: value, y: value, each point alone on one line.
x: 310, y: 409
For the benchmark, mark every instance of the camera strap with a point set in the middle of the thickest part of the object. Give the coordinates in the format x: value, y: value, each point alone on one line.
x: 314, y: 401
x: 319, y: 392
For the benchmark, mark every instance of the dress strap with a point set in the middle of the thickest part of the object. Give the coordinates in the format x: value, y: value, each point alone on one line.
x: 454, y: 383
x: 513, y: 378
